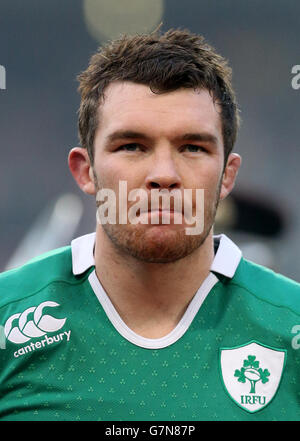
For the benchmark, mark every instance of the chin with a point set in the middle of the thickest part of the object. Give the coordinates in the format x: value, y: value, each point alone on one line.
x: 158, y: 244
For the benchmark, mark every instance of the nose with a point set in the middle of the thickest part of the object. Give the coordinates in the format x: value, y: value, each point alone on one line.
x: 163, y: 174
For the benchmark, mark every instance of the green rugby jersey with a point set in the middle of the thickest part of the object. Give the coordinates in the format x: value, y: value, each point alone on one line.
x: 66, y: 354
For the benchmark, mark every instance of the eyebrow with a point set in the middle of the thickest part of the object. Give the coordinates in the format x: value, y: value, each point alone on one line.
x: 200, y: 137
x: 125, y: 134
x: 131, y: 134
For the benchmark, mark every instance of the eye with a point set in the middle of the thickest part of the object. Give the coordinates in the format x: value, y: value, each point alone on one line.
x: 191, y: 148
x: 133, y: 147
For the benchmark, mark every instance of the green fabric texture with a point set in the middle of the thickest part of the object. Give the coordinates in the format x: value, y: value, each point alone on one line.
x: 83, y: 369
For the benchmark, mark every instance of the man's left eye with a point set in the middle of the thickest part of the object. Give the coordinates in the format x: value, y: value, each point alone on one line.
x: 193, y: 148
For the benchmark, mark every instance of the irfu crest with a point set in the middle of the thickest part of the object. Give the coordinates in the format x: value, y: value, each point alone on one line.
x: 252, y: 372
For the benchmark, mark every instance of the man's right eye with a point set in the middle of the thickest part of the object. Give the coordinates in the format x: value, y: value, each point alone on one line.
x: 133, y: 147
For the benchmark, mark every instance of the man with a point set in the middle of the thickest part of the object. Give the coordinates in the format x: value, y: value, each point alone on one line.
x: 141, y: 320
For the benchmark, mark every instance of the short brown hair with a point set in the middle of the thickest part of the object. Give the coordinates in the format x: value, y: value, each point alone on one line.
x: 165, y: 62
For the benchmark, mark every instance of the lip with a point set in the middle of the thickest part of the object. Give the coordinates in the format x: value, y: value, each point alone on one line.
x: 161, y: 211
x: 158, y: 217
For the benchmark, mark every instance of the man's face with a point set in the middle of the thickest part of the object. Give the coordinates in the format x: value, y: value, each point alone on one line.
x: 169, y: 141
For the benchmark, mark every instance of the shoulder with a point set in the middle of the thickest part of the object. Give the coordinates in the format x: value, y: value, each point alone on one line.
x: 267, y: 285
x: 36, y: 274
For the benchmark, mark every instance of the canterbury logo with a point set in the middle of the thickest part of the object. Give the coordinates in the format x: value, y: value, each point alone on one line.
x: 37, y: 327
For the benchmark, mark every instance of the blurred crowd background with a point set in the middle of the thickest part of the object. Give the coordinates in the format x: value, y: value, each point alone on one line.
x: 45, y: 44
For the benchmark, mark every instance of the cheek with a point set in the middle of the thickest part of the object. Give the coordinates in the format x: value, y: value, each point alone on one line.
x: 208, y: 179
x: 110, y: 172
x: 212, y: 187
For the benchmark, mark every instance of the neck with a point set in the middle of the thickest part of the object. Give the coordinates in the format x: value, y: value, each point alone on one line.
x: 151, y: 298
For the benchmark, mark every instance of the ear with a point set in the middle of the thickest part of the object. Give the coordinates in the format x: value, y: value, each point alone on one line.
x: 81, y: 169
x: 230, y: 173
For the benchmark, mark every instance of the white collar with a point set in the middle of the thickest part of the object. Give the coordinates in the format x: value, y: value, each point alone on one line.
x: 225, y: 262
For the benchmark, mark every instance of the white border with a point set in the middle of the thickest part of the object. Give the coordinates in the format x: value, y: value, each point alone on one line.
x: 152, y: 343
x: 225, y: 262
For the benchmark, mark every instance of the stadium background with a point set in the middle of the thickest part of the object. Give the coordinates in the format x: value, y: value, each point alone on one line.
x: 44, y: 45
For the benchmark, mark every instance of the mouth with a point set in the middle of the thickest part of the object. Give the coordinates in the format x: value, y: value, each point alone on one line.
x: 159, y: 210
x: 162, y: 216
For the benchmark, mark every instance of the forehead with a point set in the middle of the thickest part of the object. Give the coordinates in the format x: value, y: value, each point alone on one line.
x: 135, y: 106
